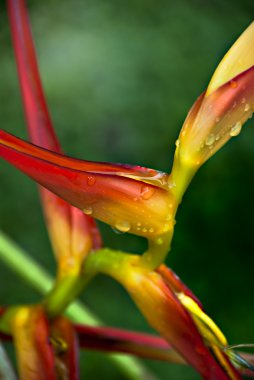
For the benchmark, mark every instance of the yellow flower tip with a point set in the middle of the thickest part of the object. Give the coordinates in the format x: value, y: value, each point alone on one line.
x: 238, y: 59
x: 219, y: 113
x: 219, y: 117
x: 71, y: 233
x: 20, y: 317
x: 30, y: 331
x: 208, y: 329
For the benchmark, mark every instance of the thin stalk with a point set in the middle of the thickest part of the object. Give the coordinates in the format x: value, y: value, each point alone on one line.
x: 39, y: 279
x: 6, y: 370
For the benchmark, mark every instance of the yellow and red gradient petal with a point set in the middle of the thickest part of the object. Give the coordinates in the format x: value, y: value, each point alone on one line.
x: 35, y: 106
x: 239, y: 58
x: 73, y: 234
x: 65, y: 343
x: 150, y: 292
x: 35, y: 356
x: 121, y: 199
x: 136, y: 172
x: 220, y: 116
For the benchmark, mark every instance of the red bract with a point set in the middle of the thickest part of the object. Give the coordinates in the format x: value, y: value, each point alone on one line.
x: 160, y: 297
x: 131, y: 199
x: 30, y: 330
x: 72, y: 233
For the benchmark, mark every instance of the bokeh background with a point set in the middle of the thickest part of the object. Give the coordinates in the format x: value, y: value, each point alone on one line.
x: 120, y: 77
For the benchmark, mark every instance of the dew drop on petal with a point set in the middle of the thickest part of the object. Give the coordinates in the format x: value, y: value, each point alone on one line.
x: 151, y: 229
x: 159, y: 241
x: 147, y: 192
x: 123, y: 226
x: 247, y: 107
x: 88, y: 210
x: 116, y: 231
x: 177, y: 143
x: 236, y: 129
x: 168, y: 217
x: 91, y: 181
x: 210, y: 140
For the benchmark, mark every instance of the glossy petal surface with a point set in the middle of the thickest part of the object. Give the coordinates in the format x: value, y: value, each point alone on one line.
x: 131, y: 200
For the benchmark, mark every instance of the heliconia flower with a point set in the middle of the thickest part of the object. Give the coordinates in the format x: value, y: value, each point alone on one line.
x: 34, y: 351
x: 161, y: 298
x: 72, y: 233
x: 131, y: 199
x: 218, y: 113
x: 64, y: 343
x: 46, y: 350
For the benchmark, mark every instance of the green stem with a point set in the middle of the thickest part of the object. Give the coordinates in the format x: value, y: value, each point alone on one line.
x: 180, y: 177
x: 157, y: 251
x: 63, y: 293
x: 17, y: 259
x: 6, y: 370
x: 39, y: 279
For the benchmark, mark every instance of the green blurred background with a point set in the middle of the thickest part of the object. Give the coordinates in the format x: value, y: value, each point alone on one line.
x: 120, y: 77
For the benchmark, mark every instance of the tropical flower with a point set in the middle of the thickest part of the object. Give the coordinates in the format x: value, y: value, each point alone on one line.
x: 131, y: 199
x: 219, y: 113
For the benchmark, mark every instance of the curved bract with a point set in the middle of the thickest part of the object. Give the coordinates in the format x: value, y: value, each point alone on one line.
x: 130, y: 200
x: 218, y: 114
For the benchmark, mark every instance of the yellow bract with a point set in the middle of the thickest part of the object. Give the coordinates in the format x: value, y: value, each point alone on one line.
x: 218, y: 114
x: 239, y: 58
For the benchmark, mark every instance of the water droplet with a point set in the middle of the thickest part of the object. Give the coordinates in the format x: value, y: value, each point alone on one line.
x: 159, y: 241
x: 144, y: 229
x: 166, y: 227
x: 168, y: 217
x: 233, y: 84
x: 147, y: 192
x: 247, y: 107
x: 123, y: 226
x: 217, y: 137
x: 210, y: 140
x: 236, y: 129
x: 243, y: 100
x: 151, y: 229
x: 88, y: 210
x: 172, y: 185
x: 177, y: 143
x: 91, y: 181
x: 116, y: 231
